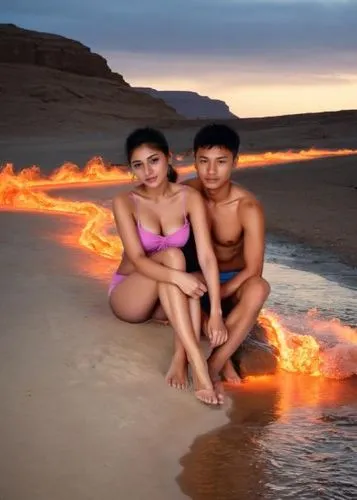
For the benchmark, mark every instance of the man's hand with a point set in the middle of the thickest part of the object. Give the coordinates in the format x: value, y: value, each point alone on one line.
x: 216, y: 330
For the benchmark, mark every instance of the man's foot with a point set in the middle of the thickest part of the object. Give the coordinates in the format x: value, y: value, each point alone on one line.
x: 218, y: 388
x: 230, y: 375
x: 177, y: 375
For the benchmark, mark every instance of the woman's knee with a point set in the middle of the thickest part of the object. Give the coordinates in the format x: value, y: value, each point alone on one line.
x: 258, y: 288
x: 174, y: 258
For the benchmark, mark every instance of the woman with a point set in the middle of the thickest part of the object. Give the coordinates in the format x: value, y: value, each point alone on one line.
x: 153, y: 221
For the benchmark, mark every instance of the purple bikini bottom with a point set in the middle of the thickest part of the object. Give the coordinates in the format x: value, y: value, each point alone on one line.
x: 116, y: 279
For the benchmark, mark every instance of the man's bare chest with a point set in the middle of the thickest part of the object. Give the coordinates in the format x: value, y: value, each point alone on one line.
x: 226, y: 229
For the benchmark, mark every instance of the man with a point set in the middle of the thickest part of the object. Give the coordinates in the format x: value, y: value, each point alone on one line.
x: 238, y: 234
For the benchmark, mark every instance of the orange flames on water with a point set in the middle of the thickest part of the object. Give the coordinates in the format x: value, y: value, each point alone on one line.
x: 313, y: 355
x: 297, y: 353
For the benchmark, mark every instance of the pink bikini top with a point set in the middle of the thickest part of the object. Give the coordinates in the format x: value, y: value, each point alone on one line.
x: 153, y: 242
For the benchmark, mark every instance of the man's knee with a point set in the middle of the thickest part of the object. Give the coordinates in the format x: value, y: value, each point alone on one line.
x: 257, y: 288
x: 174, y: 258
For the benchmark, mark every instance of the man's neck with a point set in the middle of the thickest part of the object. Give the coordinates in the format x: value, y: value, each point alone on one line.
x: 218, y: 195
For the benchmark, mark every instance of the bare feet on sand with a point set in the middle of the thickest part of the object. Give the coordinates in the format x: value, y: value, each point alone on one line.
x: 212, y: 396
x: 177, y: 375
x: 218, y: 387
x: 208, y: 396
x: 230, y: 375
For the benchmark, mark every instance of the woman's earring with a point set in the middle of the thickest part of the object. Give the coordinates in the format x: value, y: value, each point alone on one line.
x: 133, y: 176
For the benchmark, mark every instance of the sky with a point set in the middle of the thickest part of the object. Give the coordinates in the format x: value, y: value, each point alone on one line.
x: 262, y: 57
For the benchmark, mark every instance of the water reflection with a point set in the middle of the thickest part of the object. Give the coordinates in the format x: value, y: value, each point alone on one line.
x: 289, y: 436
x: 227, y: 462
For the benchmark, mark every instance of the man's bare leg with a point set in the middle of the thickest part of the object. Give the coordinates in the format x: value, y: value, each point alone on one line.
x: 228, y: 371
x: 251, y: 297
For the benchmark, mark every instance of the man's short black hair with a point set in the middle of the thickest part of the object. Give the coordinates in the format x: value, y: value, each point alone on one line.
x: 219, y: 135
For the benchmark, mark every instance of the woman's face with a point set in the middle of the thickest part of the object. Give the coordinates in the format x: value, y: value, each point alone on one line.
x: 149, y: 165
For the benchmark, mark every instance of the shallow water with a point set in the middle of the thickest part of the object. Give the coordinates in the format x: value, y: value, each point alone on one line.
x: 302, y: 279
x: 288, y: 435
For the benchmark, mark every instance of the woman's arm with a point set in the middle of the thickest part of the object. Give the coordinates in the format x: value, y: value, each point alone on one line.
x: 205, y: 253
x: 127, y: 231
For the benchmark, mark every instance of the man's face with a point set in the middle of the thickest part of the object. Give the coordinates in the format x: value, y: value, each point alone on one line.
x: 214, y: 166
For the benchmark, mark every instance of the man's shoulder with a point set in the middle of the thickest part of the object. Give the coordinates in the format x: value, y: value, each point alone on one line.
x: 247, y: 201
x: 250, y: 211
x: 242, y: 192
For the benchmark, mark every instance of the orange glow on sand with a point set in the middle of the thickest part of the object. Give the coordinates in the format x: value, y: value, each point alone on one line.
x: 297, y: 352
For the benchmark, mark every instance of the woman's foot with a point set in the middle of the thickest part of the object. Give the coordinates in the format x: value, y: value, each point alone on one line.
x: 177, y: 375
x: 209, y: 395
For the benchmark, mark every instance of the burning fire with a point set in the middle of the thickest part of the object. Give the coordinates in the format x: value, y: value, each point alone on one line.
x: 17, y: 192
x: 297, y: 352
x: 331, y: 352
x: 97, y: 171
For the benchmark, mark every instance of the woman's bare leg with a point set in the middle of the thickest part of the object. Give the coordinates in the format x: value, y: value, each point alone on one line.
x: 177, y: 375
x: 134, y: 300
x: 175, y: 304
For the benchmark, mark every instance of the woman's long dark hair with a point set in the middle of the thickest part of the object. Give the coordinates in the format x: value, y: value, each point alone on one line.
x: 153, y: 138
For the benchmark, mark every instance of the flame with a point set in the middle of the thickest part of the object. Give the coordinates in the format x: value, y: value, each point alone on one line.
x: 297, y: 353
x: 330, y: 352
x: 94, y: 171
x: 16, y: 193
x: 301, y: 353
x: 97, y: 171
x: 276, y: 157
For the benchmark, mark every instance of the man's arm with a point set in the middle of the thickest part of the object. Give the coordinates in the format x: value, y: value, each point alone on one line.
x: 252, y: 219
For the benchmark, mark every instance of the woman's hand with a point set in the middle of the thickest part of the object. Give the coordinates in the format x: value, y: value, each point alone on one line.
x: 216, y: 330
x: 189, y: 284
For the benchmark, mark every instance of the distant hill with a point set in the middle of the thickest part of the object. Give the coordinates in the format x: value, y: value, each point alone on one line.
x: 191, y: 104
x: 49, y: 82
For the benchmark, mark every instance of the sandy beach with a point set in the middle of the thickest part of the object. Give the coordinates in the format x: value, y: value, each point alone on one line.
x: 84, y: 407
x: 85, y: 410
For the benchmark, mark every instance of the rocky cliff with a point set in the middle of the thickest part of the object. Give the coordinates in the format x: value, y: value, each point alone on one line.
x: 191, y: 104
x: 49, y: 83
x: 20, y: 46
